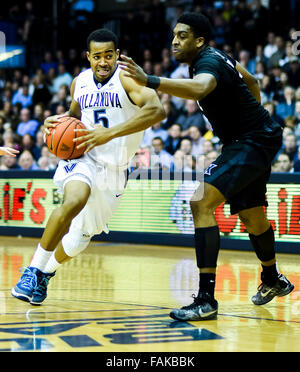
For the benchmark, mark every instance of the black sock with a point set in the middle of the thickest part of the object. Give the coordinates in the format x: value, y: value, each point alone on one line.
x: 207, y: 283
x: 207, y: 244
x: 269, y: 274
x: 264, y: 245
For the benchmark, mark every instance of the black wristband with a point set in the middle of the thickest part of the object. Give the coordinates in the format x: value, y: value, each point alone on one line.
x: 153, y: 82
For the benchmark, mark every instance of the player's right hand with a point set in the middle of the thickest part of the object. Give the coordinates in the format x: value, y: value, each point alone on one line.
x: 51, y: 122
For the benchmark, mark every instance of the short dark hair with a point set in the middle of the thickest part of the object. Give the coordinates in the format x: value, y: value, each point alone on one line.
x: 102, y: 35
x: 198, y: 23
x: 158, y: 138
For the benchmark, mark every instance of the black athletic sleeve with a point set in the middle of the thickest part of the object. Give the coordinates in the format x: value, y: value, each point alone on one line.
x: 214, y: 63
x: 208, y: 65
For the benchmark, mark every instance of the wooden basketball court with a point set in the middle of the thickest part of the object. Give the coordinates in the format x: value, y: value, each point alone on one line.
x: 117, y: 297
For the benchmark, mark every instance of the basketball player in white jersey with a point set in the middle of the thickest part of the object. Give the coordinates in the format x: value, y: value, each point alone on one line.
x: 92, y: 184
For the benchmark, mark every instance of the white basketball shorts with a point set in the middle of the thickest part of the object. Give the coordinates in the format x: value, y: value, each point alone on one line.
x: 107, y: 186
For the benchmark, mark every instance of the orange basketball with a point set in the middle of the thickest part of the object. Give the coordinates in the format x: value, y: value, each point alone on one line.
x: 60, y: 139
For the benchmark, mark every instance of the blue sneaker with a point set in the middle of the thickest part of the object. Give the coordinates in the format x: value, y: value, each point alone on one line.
x: 27, y: 284
x: 40, y: 292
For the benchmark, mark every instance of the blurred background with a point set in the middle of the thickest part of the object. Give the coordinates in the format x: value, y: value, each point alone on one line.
x: 46, y: 49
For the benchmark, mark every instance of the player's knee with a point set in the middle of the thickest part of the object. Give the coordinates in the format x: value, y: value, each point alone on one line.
x: 245, y: 220
x: 75, y: 242
x: 202, y: 206
x: 255, y: 225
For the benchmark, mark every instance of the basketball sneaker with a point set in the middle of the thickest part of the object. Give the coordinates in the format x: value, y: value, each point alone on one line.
x: 204, y: 307
x: 40, y: 293
x: 266, y: 293
x: 26, y: 285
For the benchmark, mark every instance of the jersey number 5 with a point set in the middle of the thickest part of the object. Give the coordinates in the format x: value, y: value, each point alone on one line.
x: 99, y: 117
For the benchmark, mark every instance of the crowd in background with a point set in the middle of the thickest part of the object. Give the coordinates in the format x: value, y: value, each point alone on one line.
x: 259, y: 34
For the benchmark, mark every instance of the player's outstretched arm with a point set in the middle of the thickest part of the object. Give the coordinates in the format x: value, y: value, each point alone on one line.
x: 197, y: 88
x: 8, y: 151
x: 151, y: 112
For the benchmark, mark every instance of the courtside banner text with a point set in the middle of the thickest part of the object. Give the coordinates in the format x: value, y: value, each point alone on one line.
x: 149, y: 206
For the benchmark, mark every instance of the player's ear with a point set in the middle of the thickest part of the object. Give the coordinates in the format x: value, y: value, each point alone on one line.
x: 118, y: 53
x: 200, y: 41
x: 88, y: 55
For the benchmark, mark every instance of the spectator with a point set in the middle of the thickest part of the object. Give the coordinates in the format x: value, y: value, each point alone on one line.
x: 288, y: 57
x: 279, y: 54
x: 160, y: 158
x: 48, y: 63
x: 283, y: 164
x: 297, y: 116
x: 27, y: 125
x: 287, y: 107
x: 9, y: 163
x: 63, y: 78
x: 154, y: 131
x: 192, y: 116
x: 28, y: 144
x: 26, y: 161
x: 62, y: 97
x: 41, y: 93
x: 238, y: 24
x: 23, y: 97
x: 210, y: 157
x: 197, y: 140
x: 270, y: 107
x: 43, y: 163
x: 297, y: 161
x: 183, y: 162
x: 171, y: 114
x: 172, y: 143
x: 186, y: 146
x: 207, y: 146
x: 9, y: 139
x: 244, y: 60
x: 290, y: 147
x: 39, y: 139
x: 294, y: 72
x: 271, y: 47
x: 290, y: 122
x: 38, y: 113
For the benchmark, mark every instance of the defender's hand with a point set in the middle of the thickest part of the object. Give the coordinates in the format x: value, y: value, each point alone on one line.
x: 133, y: 70
x: 8, y: 151
x: 93, y: 137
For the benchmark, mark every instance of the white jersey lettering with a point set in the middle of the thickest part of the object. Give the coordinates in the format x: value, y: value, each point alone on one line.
x: 107, y: 105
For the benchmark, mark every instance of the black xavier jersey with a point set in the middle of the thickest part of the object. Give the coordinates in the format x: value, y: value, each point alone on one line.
x: 230, y: 108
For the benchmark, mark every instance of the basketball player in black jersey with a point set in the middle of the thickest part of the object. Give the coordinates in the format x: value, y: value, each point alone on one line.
x: 229, y: 97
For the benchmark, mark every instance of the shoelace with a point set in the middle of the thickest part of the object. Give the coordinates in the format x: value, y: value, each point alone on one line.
x: 42, y: 286
x: 197, y: 301
x: 29, y: 279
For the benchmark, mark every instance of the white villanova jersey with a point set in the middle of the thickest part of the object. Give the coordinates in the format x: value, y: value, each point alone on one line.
x: 107, y: 105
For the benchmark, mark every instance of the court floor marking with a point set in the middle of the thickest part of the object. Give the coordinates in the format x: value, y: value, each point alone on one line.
x: 143, y: 317
x: 154, y: 307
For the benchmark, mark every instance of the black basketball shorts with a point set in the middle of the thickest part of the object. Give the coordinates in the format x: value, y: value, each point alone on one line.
x: 242, y: 171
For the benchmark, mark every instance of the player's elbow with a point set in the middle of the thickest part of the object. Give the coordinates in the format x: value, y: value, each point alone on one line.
x: 158, y: 113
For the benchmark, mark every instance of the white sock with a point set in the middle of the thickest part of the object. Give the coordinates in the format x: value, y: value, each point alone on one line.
x: 52, y: 264
x: 40, y: 258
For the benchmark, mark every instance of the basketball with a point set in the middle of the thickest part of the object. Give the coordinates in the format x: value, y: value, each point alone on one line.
x: 60, y: 139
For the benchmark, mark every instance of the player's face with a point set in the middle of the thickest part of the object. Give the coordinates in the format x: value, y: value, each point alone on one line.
x: 103, y: 59
x: 185, y: 45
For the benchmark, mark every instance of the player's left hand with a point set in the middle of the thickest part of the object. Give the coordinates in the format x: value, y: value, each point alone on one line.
x: 8, y: 151
x: 133, y: 70
x: 93, y: 137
